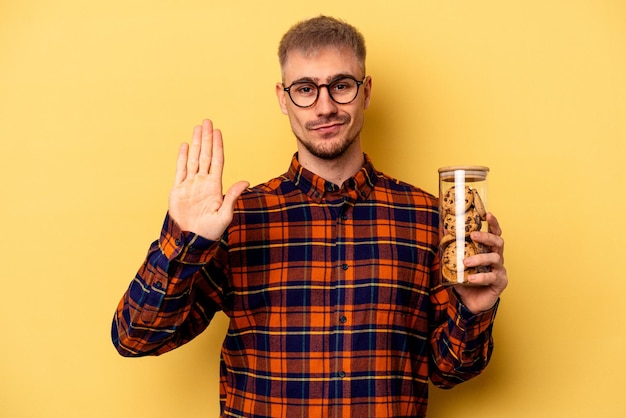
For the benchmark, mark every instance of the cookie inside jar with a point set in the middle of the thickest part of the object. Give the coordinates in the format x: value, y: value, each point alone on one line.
x: 462, y: 210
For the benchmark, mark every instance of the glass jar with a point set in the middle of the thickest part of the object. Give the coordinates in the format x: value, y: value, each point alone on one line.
x: 462, y: 210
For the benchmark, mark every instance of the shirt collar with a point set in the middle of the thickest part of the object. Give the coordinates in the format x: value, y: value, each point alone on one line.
x: 357, y: 187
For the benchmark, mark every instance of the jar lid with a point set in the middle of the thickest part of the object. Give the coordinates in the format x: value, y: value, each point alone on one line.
x: 472, y: 172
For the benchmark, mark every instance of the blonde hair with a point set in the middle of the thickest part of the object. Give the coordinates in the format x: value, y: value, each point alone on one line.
x: 309, y: 36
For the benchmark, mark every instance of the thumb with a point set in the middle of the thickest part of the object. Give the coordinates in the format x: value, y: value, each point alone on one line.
x: 233, y: 193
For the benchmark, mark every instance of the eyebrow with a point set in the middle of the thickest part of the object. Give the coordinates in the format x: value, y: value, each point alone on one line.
x: 329, y: 79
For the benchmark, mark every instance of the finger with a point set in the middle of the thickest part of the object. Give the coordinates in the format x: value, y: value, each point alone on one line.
x: 493, y: 260
x: 206, y: 147
x: 194, y: 151
x: 483, y: 279
x: 494, y: 225
x: 487, y: 238
x: 181, y: 163
x: 496, y: 278
x: 217, y: 158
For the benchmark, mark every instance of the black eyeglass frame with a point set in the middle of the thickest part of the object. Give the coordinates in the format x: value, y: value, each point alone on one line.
x: 319, y: 87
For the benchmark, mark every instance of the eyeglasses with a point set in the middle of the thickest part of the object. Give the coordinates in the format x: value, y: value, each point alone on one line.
x: 342, y: 91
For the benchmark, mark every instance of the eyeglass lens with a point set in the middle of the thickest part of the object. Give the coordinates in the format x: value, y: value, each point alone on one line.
x: 342, y: 91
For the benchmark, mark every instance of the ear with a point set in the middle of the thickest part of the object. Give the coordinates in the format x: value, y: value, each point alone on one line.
x: 367, y: 91
x: 281, y: 95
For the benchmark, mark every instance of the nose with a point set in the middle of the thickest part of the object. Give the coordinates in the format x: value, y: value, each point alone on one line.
x: 325, y: 105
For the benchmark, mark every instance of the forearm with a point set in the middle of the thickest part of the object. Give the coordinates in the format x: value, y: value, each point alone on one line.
x: 163, y: 307
x: 461, y: 345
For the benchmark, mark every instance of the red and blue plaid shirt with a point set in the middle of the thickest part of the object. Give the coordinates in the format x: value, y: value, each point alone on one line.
x: 332, y: 294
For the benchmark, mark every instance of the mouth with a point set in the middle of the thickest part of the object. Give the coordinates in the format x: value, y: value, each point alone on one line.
x: 327, y: 127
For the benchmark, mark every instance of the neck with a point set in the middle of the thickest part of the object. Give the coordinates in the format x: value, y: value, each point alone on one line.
x: 337, y: 170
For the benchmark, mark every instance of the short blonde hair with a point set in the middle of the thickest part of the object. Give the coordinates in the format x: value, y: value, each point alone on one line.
x: 308, y: 36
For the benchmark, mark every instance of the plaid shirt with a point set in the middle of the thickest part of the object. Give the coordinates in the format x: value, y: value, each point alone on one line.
x: 332, y: 294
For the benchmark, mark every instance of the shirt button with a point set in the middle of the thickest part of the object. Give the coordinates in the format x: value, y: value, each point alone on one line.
x: 177, y: 241
x: 158, y: 285
x: 344, y: 217
x: 344, y: 267
x: 343, y: 319
x: 342, y: 374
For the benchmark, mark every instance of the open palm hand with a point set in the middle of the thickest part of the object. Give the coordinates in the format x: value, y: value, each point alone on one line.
x: 196, y: 201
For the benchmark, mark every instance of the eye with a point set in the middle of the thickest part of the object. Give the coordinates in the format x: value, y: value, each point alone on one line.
x: 304, y: 89
x: 342, y: 85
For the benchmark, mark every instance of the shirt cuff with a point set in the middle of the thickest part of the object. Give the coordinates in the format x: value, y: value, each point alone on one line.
x: 466, y: 319
x: 186, y: 247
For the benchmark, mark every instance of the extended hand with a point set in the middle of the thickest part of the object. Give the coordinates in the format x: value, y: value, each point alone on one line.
x: 481, y: 298
x: 196, y: 201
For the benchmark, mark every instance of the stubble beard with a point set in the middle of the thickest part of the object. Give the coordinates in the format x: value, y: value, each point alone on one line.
x: 325, y: 150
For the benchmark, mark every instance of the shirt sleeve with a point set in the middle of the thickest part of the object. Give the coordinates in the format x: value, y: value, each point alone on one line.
x: 173, y: 296
x: 462, y: 343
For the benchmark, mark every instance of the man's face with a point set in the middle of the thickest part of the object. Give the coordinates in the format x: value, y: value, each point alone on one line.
x: 327, y: 129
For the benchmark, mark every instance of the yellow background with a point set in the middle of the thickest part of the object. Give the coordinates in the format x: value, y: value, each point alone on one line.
x: 95, y: 97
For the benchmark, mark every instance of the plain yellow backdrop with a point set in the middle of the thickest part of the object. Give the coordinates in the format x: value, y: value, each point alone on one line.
x: 96, y: 96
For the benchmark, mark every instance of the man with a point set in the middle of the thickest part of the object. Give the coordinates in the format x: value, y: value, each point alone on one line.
x: 328, y: 273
